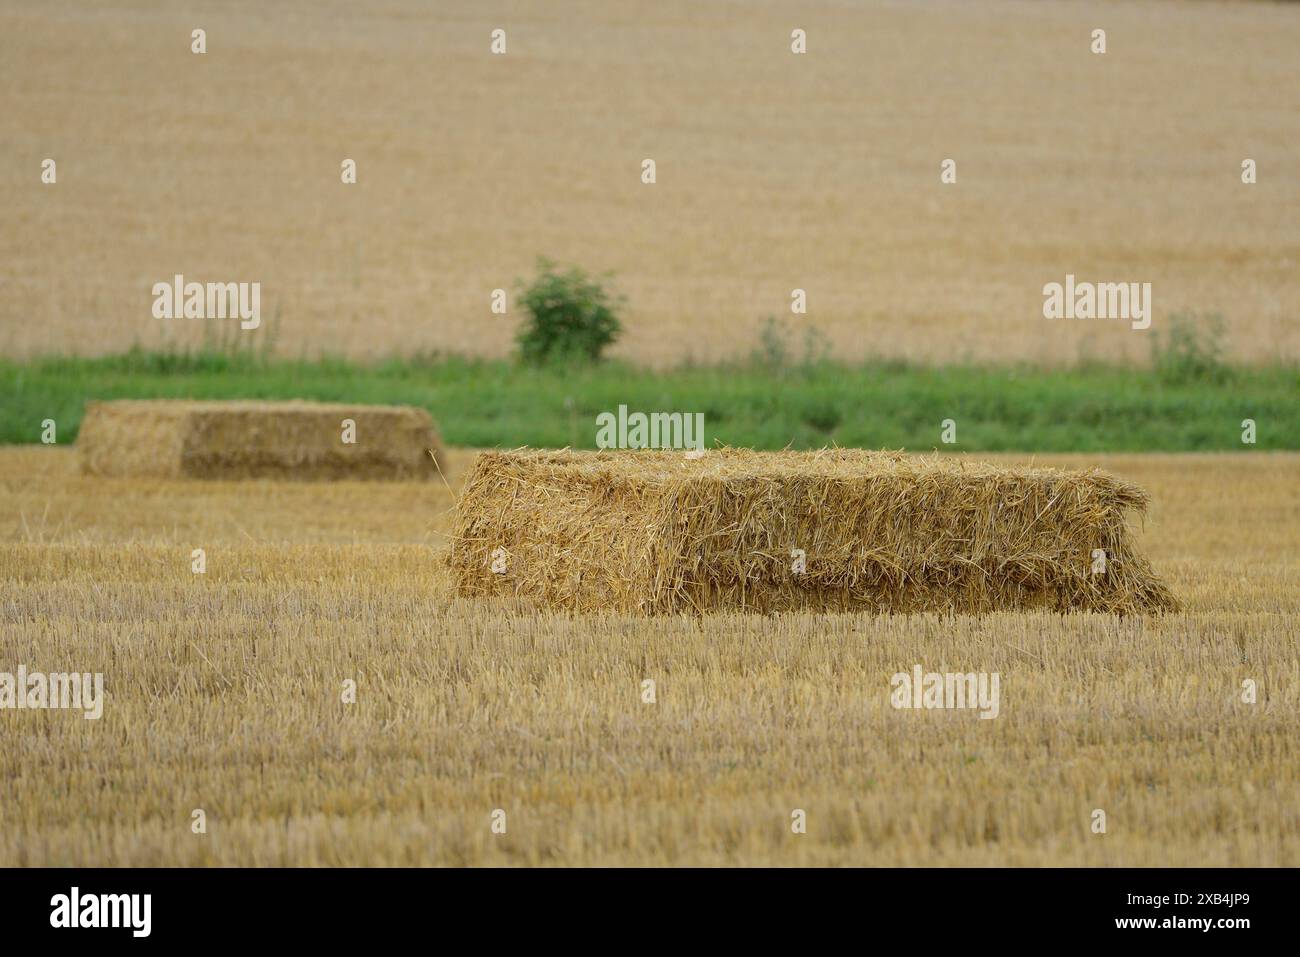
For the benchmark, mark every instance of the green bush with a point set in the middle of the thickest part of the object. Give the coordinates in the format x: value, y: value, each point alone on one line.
x: 772, y: 353
x: 571, y: 316
x: 821, y: 413
x: 1190, y: 350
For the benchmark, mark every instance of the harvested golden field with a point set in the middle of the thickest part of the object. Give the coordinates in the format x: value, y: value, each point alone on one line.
x: 223, y: 692
x: 775, y: 171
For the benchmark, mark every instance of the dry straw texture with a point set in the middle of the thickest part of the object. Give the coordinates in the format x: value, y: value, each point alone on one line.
x: 298, y: 440
x: 658, y: 533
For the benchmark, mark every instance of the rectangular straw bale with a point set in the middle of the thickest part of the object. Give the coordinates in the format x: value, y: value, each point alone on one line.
x: 654, y: 532
x: 252, y: 439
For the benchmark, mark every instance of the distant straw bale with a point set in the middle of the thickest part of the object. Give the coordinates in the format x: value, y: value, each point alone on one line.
x: 652, y: 532
x: 237, y: 439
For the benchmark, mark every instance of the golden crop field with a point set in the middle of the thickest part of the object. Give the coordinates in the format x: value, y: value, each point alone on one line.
x: 224, y: 693
x: 775, y: 171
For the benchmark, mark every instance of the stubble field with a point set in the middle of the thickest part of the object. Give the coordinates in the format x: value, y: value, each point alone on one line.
x: 224, y: 693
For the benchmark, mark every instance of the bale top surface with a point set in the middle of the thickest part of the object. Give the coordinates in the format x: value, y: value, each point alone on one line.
x: 187, y: 406
x: 727, y: 464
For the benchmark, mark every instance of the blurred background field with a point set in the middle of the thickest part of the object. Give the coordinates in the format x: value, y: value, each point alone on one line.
x: 775, y: 171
